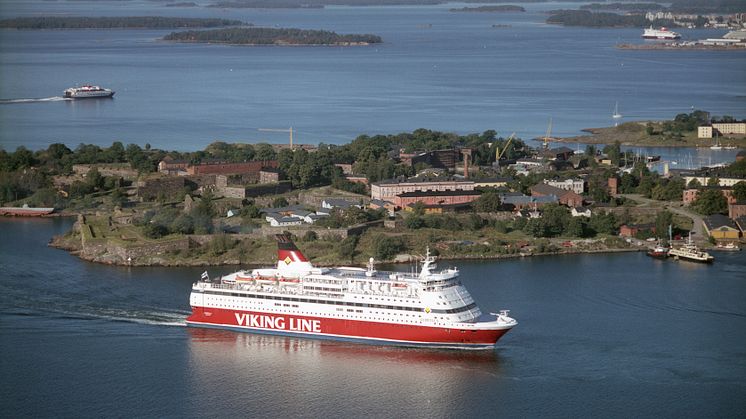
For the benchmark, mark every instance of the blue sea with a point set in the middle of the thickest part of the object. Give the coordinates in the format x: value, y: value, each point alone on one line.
x: 617, y: 336
x: 599, y: 335
x: 435, y: 69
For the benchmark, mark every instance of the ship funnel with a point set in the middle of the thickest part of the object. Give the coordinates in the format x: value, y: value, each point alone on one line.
x: 289, y: 258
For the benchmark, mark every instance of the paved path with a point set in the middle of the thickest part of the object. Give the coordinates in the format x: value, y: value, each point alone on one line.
x: 698, y: 229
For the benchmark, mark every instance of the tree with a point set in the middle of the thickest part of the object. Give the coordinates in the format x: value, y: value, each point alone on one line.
x: 662, y: 220
x: 536, y: 227
x: 614, y: 151
x: 487, y: 202
x: 694, y: 184
x: 575, y: 227
x: 386, y: 247
x: 347, y: 247
x: 739, y: 191
x: 603, y: 223
x: 710, y: 201
x: 713, y: 181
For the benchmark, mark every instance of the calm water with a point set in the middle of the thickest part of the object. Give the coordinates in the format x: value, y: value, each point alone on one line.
x: 616, y: 335
x: 436, y: 69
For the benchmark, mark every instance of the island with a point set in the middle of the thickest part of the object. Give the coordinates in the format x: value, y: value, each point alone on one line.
x: 132, y: 22
x: 383, y: 196
x: 682, y: 131
x: 182, y: 4
x: 624, y: 7
x: 271, y: 36
x: 490, y: 9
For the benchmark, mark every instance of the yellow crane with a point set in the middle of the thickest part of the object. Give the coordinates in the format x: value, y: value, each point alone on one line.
x: 499, y: 153
x: 290, y: 130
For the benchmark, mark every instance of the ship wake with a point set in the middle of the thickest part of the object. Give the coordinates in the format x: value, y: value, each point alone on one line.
x: 34, y: 100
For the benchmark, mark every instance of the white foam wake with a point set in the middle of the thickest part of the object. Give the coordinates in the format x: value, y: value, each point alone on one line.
x: 34, y: 100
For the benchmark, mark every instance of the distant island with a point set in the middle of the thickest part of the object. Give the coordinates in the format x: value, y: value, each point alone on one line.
x: 272, y: 36
x: 602, y: 20
x: 133, y: 22
x: 182, y: 4
x: 508, y: 8
x: 264, y: 4
x: 636, y: 7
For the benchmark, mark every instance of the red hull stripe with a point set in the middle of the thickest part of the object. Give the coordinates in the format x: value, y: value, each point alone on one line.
x: 344, y: 329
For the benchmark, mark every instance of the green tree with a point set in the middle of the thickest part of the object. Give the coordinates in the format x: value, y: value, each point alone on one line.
x: 536, y: 227
x: 713, y: 181
x: 575, y: 227
x: 347, y: 248
x: 739, y: 191
x: 614, y: 151
x: 386, y: 247
x: 694, y: 184
x: 487, y: 202
x: 710, y: 201
x: 662, y: 220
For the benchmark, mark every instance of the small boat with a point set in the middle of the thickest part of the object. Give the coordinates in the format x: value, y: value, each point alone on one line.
x: 88, y: 92
x: 729, y: 247
x: 616, y: 114
x: 659, y: 252
x: 717, y: 146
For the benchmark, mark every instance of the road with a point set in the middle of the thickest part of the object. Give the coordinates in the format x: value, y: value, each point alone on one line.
x: 698, y: 229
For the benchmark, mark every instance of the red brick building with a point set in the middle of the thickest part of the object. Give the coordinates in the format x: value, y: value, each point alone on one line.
x: 568, y: 198
x: 690, y: 195
x: 435, y: 197
x: 633, y: 229
x: 736, y: 210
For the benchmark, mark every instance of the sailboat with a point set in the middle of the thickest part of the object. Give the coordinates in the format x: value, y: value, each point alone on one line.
x: 616, y: 114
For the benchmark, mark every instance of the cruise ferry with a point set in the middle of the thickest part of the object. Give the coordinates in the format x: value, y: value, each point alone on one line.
x: 430, y: 308
x: 87, y: 92
x: 661, y: 33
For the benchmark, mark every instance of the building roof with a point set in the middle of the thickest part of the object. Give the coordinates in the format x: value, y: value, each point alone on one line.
x: 717, y: 221
x: 380, y: 202
x: 437, y: 193
x: 339, y: 203
x: 420, y: 180
x: 525, y: 199
x: 545, y: 189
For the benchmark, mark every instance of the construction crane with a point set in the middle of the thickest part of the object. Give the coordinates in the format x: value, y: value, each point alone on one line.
x: 499, y: 153
x: 289, y: 130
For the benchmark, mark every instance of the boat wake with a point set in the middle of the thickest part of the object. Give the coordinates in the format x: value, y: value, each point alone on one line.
x: 34, y: 100
x: 146, y: 317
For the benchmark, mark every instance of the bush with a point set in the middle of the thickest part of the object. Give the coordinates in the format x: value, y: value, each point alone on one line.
x: 387, y: 247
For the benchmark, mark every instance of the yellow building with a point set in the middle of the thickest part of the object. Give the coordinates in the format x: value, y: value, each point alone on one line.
x: 720, y: 227
x: 704, y: 132
x: 730, y: 127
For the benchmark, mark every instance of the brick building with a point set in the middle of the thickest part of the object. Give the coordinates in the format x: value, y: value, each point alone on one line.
x: 435, y: 198
x: 690, y: 195
x: 736, y: 210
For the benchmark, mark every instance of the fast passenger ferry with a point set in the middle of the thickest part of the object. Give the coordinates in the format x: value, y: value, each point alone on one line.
x: 88, y: 92
x: 430, y: 308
